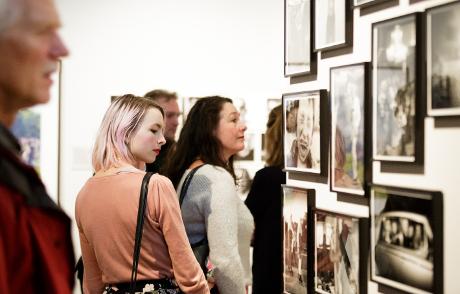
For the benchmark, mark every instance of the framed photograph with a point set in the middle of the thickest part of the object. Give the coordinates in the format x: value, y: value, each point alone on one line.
x: 305, y: 132
x: 406, y: 239
x: 397, y: 67
x: 443, y: 63
x: 349, y: 127
x: 37, y: 130
x: 333, y: 24
x: 295, y: 241
x: 338, y: 247
x: 299, y: 58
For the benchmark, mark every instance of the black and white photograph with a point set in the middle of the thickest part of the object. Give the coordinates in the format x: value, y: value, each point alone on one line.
x: 295, y: 212
x: 331, y: 24
x: 336, y: 253
x: 347, y: 102
x: 406, y: 239
x: 297, y: 38
x: 443, y: 62
x: 395, y: 80
x: 302, y: 132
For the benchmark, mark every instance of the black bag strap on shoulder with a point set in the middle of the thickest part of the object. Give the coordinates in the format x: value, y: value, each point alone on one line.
x: 186, y: 183
x: 139, y: 227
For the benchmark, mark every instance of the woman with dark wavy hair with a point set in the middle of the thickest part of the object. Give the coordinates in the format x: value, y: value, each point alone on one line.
x: 211, y: 209
x: 264, y: 202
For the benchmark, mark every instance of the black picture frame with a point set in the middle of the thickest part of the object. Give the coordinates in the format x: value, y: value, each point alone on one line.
x: 341, y: 246
x: 333, y: 21
x: 305, y: 132
x: 397, y: 92
x: 407, y: 239
x: 299, y: 56
x: 297, y: 221
x: 350, y: 108
x: 443, y: 66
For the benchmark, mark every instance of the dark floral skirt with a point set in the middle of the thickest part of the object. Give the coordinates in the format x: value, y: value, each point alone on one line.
x: 163, y: 286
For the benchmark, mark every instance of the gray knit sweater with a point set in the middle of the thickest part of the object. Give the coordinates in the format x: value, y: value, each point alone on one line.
x: 212, y: 205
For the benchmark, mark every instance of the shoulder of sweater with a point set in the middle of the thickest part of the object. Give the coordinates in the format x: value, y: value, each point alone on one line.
x: 215, y: 172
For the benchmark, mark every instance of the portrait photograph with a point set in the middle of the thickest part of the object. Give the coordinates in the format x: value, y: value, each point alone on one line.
x: 394, y: 89
x: 337, y: 248
x: 347, y: 103
x: 331, y: 24
x: 443, y: 62
x: 295, y: 212
x: 297, y: 37
x: 406, y: 239
x: 302, y: 131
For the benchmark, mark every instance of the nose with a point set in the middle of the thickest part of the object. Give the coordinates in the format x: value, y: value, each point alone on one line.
x: 58, y: 49
x: 162, y: 139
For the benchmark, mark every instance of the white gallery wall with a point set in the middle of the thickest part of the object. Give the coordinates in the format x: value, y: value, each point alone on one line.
x: 231, y: 48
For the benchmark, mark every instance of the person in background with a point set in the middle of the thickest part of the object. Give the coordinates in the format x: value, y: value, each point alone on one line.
x: 130, y: 135
x: 36, y: 254
x: 264, y: 202
x: 211, y: 136
x: 167, y: 101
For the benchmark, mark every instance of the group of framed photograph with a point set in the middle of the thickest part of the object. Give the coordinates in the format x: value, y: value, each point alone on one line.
x: 372, y: 111
x: 326, y: 252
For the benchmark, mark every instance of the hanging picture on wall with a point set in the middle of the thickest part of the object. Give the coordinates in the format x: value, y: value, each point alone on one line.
x: 337, y: 253
x: 333, y: 24
x: 396, y: 77
x: 299, y: 58
x: 295, y: 220
x: 406, y: 239
x: 443, y: 63
x: 348, y: 101
x: 303, y: 127
x: 37, y: 130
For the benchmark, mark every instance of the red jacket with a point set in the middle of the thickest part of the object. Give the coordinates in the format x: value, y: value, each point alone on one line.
x: 36, y: 254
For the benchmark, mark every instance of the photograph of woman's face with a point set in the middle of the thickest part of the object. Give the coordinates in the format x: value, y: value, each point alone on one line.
x: 305, y: 126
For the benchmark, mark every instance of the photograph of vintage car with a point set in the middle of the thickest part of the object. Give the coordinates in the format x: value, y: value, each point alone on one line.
x: 403, y: 239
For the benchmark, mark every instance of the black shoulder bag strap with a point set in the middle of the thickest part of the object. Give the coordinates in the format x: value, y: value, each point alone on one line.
x: 186, y: 183
x: 139, y: 226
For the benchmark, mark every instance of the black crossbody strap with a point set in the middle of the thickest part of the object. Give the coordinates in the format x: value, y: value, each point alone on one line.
x: 186, y: 183
x: 139, y: 226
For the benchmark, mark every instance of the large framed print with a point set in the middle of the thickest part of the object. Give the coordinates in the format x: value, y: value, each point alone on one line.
x: 397, y: 67
x: 443, y: 62
x: 333, y: 24
x: 37, y: 130
x: 295, y: 240
x: 406, y: 239
x: 340, y: 267
x: 304, y: 131
x: 349, y: 128
x: 299, y: 58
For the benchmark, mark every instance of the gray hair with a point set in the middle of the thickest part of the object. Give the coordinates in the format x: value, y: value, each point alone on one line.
x: 9, y: 12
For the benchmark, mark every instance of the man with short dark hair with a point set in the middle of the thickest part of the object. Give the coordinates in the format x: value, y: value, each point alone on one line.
x: 36, y: 254
x: 168, y: 101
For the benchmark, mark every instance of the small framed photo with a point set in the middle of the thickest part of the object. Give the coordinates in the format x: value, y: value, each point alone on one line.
x: 299, y: 58
x: 305, y: 132
x: 443, y: 63
x: 350, y: 126
x: 339, y: 263
x: 397, y: 66
x: 406, y: 239
x: 295, y: 240
x: 333, y: 24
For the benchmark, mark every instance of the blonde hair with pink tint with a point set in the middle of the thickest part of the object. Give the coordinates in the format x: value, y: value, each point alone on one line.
x: 119, y: 124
